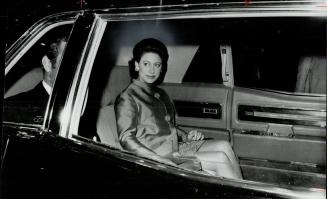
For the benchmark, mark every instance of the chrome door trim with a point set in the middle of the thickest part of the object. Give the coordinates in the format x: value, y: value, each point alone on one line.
x: 33, y: 34
x: 77, y: 98
x: 82, y: 93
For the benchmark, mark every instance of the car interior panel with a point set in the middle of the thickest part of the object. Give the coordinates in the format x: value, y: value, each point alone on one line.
x: 207, y: 98
x: 266, y: 139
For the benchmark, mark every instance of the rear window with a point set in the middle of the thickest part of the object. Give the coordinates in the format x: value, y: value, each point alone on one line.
x: 193, y: 46
x: 283, y: 54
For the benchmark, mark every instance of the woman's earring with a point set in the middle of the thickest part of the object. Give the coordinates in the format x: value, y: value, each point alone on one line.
x: 137, y: 68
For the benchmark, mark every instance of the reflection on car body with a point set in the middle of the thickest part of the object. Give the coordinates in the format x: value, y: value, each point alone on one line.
x: 252, y: 74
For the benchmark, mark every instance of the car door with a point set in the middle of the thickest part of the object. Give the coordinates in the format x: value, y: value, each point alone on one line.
x: 196, y: 79
x: 277, y: 130
x: 30, y: 156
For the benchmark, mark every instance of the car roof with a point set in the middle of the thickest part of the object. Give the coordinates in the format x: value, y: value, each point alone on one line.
x: 255, y: 7
x: 164, y: 3
x: 163, y: 6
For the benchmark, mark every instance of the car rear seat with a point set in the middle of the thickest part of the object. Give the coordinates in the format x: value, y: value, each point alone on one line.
x: 106, y: 123
x: 27, y: 82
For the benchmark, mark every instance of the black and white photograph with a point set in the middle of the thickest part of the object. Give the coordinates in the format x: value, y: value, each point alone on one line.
x: 163, y: 99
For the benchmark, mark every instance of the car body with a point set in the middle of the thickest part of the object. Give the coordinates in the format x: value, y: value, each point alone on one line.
x: 232, y: 73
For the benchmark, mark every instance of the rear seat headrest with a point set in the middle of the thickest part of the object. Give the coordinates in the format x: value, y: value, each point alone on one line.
x: 117, y: 81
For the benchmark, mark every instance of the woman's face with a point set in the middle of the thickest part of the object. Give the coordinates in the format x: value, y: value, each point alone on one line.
x: 149, y: 67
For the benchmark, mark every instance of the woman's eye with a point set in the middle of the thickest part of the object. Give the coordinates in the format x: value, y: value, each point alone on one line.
x: 146, y: 64
x: 157, y: 65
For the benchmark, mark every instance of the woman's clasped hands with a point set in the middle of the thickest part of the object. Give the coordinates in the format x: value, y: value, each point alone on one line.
x: 194, y: 135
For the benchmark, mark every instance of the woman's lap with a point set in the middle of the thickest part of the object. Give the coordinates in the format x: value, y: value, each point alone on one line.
x: 189, y: 148
x: 216, y: 156
x: 219, y: 145
x: 215, y: 145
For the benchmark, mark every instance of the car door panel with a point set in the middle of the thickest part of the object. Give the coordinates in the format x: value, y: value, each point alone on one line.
x: 279, y: 126
x: 201, y: 106
x: 280, y: 149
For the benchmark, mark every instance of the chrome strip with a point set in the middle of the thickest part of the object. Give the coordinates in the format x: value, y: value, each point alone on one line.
x: 230, y: 14
x: 318, y: 117
x: 66, y: 113
x: 301, y: 10
x: 82, y: 77
x: 33, y: 34
x: 22, y: 125
x: 94, y: 43
x: 224, y: 4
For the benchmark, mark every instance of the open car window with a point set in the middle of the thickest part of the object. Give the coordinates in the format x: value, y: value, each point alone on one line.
x: 267, y: 54
x: 194, y: 58
x: 284, y: 54
x: 26, y: 77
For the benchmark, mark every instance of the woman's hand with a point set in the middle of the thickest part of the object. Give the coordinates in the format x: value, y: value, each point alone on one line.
x: 195, y: 135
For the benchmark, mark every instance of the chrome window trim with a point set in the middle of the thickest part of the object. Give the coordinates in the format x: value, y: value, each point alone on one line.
x: 80, y: 102
x: 149, y: 16
x: 319, y: 10
x: 23, y: 44
x: 77, y: 97
x: 221, y: 5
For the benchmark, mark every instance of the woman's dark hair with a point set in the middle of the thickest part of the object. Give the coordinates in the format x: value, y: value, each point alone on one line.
x: 145, y: 46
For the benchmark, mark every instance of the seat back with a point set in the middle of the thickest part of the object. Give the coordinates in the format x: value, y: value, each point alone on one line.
x: 25, y: 83
x: 117, y: 81
x: 106, y: 126
x: 311, y: 77
x: 106, y: 122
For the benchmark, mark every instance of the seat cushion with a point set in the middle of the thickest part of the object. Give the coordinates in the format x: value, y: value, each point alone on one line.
x: 106, y: 127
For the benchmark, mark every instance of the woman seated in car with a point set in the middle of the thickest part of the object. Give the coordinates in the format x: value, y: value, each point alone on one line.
x: 146, y: 118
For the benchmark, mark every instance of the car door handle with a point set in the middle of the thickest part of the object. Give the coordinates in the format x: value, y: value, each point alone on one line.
x: 210, y: 111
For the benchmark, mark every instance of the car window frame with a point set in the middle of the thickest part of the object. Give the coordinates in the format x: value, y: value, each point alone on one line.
x: 27, y: 41
x: 81, y: 79
x: 32, y: 35
x: 83, y: 76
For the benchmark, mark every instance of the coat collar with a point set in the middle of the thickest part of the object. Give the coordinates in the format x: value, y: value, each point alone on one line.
x: 150, y: 88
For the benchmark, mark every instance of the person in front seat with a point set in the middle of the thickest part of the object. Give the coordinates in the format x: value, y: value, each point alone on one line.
x: 30, y: 106
x: 146, y: 118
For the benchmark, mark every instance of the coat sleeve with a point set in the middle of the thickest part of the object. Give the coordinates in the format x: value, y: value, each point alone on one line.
x: 126, y: 111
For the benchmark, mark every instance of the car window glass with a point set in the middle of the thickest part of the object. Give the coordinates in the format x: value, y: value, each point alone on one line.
x: 25, y: 84
x: 205, y: 66
x: 280, y: 54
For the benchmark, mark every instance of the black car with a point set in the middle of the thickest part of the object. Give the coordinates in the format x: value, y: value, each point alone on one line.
x: 251, y: 73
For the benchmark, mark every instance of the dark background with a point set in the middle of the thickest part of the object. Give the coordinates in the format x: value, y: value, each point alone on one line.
x: 19, y: 15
